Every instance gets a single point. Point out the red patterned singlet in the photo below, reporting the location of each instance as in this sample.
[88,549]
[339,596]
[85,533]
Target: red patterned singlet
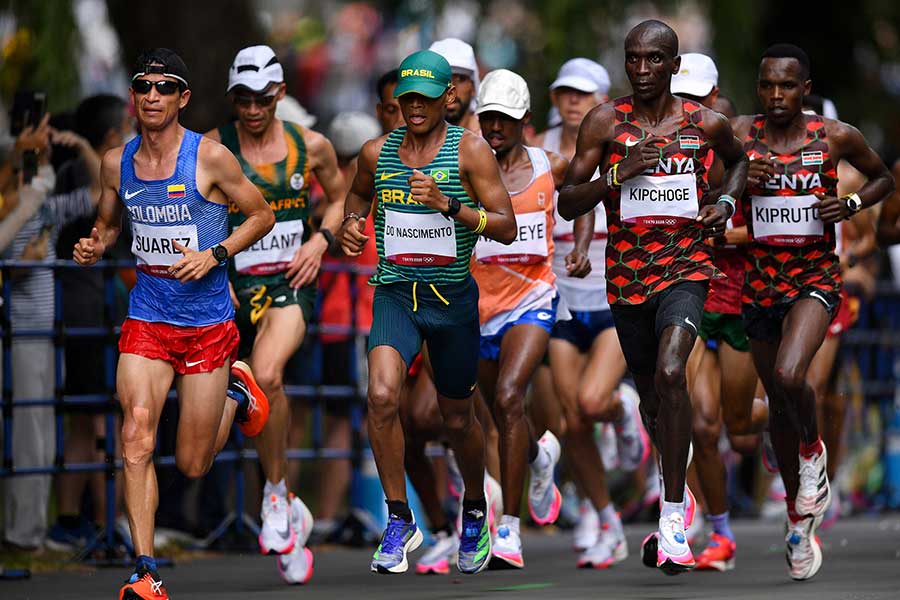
[790,248]
[654,240]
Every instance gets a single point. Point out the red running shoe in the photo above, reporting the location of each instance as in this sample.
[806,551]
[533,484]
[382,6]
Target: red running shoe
[252,417]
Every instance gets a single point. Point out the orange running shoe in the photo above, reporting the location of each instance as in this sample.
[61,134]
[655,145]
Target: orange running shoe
[143,584]
[253,416]
[718,555]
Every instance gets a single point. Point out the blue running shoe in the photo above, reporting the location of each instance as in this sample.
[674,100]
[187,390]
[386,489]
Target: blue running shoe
[399,538]
[474,543]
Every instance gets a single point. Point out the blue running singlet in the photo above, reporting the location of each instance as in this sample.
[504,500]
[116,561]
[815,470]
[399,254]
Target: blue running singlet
[164,211]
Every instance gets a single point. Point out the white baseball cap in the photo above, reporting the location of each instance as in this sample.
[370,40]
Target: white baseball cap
[350,130]
[584,75]
[505,92]
[697,77]
[460,55]
[255,68]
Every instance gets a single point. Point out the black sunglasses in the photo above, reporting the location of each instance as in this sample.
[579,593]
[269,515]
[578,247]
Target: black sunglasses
[262,101]
[164,87]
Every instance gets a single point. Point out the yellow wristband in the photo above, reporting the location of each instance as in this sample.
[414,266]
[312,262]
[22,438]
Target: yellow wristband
[615,173]
[482,221]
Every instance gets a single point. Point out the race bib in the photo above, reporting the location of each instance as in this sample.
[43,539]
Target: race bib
[529,247]
[416,239]
[273,252]
[786,220]
[154,246]
[659,201]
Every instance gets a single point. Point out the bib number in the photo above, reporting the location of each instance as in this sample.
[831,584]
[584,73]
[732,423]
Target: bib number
[665,201]
[154,246]
[273,252]
[529,247]
[786,220]
[419,240]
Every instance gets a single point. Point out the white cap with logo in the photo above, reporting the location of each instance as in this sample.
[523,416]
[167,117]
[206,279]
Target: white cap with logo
[506,92]
[697,76]
[255,68]
[584,75]
[460,55]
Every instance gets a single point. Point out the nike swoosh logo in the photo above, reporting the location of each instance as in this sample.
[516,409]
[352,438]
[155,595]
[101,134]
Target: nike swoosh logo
[630,143]
[193,364]
[389,175]
[688,321]
[819,297]
[130,195]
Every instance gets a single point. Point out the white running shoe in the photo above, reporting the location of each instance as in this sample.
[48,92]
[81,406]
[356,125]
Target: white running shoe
[507,546]
[632,441]
[455,483]
[814,493]
[277,535]
[605,438]
[544,498]
[587,530]
[673,554]
[611,548]
[297,566]
[804,555]
[438,557]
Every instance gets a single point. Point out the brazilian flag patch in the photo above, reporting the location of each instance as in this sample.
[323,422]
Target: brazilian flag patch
[440,175]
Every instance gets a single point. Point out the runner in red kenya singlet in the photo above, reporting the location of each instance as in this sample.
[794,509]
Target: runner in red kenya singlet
[793,278]
[653,150]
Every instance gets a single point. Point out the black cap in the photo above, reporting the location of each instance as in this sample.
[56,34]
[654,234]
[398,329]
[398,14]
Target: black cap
[163,61]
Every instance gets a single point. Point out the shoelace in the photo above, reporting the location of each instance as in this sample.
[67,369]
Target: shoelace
[393,535]
[809,476]
[155,586]
[676,526]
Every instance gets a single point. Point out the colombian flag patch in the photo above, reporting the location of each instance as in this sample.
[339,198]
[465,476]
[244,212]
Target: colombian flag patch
[176,191]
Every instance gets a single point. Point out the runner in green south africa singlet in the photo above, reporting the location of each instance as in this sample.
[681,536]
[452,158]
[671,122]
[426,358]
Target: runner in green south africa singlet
[414,242]
[285,186]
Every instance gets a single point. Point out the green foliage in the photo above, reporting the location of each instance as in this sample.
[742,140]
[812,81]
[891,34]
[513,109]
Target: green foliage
[48,59]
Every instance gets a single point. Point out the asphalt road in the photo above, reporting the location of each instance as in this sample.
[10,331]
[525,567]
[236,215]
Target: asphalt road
[862,562]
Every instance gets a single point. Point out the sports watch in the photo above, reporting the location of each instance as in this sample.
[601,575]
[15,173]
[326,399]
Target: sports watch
[853,203]
[453,207]
[220,253]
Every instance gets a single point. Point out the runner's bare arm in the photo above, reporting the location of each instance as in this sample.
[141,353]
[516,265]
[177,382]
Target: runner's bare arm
[577,262]
[847,143]
[714,215]
[108,224]
[304,266]
[359,199]
[861,232]
[889,218]
[579,195]
[478,166]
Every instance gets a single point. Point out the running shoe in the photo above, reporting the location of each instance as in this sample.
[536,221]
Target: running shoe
[814,493]
[474,543]
[277,534]
[769,459]
[690,502]
[649,546]
[493,493]
[507,549]
[297,566]
[544,498]
[611,548]
[436,560]
[69,539]
[143,584]
[586,533]
[252,415]
[632,441]
[397,540]
[804,554]
[718,555]
[673,554]
[605,438]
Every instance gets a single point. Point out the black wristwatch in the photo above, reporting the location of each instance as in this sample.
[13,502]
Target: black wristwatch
[453,208]
[220,253]
[329,237]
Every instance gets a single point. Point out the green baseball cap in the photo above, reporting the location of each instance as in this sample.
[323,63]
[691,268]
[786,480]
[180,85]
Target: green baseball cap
[424,72]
